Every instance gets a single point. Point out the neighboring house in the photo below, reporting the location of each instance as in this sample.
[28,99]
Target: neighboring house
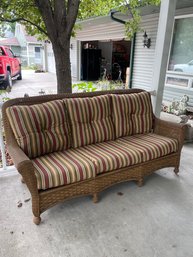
[13,43]
[109,36]
[30,50]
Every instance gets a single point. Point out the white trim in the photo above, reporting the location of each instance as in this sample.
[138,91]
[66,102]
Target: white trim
[170,71]
[79,59]
[183,16]
[165,26]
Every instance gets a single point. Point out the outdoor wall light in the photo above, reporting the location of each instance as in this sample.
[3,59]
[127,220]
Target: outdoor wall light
[71,46]
[146,41]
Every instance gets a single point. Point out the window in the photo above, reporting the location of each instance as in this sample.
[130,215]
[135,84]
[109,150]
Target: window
[181,56]
[37,52]
[1,51]
[10,53]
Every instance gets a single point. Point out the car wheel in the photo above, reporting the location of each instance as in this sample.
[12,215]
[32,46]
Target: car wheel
[19,75]
[8,81]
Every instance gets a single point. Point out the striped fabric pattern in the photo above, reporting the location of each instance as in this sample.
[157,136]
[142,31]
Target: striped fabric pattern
[62,168]
[90,120]
[151,146]
[40,129]
[132,114]
[111,155]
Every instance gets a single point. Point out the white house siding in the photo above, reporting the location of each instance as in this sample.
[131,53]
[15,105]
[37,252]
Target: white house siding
[50,59]
[74,58]
[103,31]
[144,59]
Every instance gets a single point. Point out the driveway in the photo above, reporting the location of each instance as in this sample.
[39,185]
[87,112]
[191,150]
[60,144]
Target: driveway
[32,83]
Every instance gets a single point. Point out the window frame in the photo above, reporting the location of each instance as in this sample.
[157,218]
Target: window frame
[176,74]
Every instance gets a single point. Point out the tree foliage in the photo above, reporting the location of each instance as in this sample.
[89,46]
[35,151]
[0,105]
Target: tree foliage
[6,27]
[28,13]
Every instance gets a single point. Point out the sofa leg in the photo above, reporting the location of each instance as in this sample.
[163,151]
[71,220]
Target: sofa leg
[95,198]
[140,182]
[176,170]
[37,220]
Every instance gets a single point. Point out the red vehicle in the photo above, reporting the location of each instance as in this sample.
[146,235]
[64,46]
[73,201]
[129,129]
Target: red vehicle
[10,67]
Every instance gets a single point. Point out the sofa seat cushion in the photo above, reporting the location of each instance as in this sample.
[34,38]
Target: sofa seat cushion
[111,155]
[62,168]
[132,114]
[41,128]
[90,119]
[151,146]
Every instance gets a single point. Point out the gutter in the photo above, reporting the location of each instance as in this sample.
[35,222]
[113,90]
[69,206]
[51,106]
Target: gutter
[112,12]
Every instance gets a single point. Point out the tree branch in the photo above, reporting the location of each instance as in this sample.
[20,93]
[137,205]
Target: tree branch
[60,12]
[47,14]
[23,19]
[72,12]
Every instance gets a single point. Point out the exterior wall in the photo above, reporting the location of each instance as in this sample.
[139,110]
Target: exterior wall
[32,58]
[50,59]
[144,59]
[28,57]
[24,56]
[19,33]
[27,54]
[74,59]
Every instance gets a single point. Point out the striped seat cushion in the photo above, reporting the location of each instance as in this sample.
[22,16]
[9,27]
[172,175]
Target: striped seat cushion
[62,168]
[90,119]
[132,114]
[151,146]
[40,129]
[111,155]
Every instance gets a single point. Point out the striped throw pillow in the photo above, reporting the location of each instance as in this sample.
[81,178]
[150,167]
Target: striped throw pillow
[91,120]
[132,114]
[40,129]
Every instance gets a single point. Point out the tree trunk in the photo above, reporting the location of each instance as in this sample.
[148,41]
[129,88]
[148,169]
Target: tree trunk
[63,66]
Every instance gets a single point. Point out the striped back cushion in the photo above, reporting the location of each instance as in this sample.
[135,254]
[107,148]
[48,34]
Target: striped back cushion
[40,129]
[132,114]
[91,120]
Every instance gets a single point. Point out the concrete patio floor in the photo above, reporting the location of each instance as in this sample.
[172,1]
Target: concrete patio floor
[152,221]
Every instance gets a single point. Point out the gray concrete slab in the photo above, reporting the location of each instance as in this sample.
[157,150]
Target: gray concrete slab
[152,221]
[32,83]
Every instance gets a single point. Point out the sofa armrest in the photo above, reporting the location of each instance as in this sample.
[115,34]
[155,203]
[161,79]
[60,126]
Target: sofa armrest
[170,129]
[24,166]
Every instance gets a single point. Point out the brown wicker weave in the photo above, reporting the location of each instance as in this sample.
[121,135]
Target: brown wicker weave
[44,199]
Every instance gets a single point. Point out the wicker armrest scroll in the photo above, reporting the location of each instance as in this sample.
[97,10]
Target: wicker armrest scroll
[170,129]
[24,166]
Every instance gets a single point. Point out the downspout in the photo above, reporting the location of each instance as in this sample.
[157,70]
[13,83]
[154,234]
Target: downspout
[132,60]
[132,47]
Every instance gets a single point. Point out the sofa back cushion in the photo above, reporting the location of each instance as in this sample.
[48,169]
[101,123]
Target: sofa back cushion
[132,113]
[40,129]
[91,120]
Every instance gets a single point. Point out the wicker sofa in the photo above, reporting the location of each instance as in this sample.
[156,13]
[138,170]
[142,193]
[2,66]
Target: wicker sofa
[71,145]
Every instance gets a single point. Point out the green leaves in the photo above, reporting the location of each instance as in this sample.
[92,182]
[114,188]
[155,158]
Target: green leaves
[85,87]
[27,13]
